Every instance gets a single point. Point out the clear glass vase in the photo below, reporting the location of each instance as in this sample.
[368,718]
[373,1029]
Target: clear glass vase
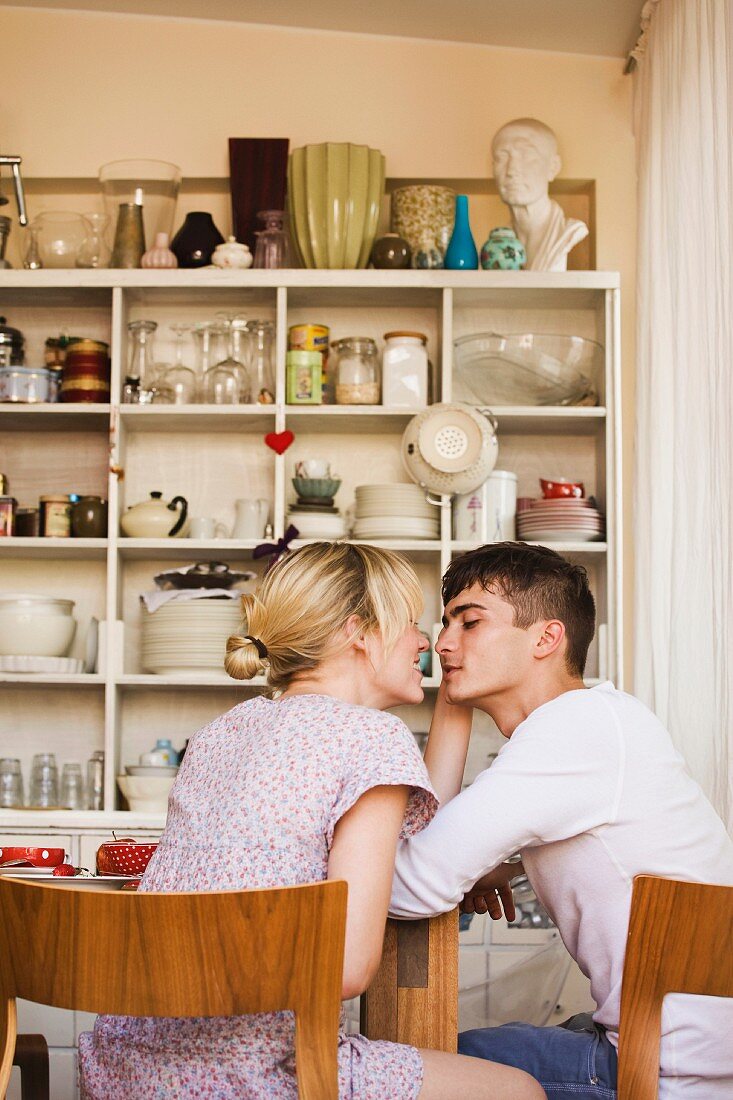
[273,244]
[262,336]
[94,251]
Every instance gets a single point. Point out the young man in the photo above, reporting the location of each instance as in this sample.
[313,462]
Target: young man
[588,788]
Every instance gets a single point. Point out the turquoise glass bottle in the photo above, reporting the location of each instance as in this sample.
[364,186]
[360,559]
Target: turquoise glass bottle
[461,254]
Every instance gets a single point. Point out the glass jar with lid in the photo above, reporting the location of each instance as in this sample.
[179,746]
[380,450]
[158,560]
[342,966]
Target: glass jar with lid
[405,370]
[357,371]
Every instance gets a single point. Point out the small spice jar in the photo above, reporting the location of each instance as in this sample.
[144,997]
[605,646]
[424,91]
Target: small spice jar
[357,371]
[55,516]
[405,370]
[86,372]
[303,377]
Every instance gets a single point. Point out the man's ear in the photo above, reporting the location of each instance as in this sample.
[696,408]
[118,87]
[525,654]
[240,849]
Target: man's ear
[550,638]
[553,167]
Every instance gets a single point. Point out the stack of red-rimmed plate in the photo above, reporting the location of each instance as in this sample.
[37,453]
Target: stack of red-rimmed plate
[564,519]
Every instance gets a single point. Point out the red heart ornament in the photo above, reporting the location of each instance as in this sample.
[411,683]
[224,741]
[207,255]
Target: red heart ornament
[279,441]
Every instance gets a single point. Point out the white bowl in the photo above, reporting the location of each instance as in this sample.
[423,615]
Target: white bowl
[146,794]
[35,626]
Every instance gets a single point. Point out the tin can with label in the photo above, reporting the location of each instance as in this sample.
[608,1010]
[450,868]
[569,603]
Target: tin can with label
[303,378]
[8,507]
[56,516]
[86,372]
[309,337]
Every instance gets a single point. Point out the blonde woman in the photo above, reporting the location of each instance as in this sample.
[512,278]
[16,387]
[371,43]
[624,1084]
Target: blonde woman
[313,781]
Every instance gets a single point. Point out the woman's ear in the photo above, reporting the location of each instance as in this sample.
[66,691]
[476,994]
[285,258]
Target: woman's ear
[353,632]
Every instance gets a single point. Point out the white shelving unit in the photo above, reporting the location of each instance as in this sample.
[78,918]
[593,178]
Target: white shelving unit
[213,455]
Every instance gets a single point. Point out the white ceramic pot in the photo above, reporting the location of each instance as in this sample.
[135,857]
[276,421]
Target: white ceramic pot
[156,519]
[146,794]
[488,514]
[35,626]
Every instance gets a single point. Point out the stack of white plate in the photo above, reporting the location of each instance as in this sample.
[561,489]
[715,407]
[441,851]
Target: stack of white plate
[188,636]
[562,520]
[317,523]
[395,512]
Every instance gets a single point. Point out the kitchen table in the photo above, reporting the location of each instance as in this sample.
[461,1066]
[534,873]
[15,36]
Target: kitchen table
[414,996]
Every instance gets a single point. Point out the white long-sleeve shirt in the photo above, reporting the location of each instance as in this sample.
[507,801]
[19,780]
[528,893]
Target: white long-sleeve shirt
[592,792]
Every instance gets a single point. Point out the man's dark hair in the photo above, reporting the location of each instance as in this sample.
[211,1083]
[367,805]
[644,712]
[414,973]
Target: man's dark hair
[538,584]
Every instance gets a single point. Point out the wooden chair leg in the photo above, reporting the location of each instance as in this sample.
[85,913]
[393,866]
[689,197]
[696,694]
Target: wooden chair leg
[31,1055]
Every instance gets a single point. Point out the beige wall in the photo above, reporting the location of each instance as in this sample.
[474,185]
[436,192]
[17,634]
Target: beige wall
[79,89]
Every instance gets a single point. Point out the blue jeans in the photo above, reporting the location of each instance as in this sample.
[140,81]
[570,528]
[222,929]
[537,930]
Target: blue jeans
[574,1060]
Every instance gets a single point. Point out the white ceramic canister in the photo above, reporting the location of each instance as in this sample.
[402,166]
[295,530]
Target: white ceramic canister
[405,370]
[488,514]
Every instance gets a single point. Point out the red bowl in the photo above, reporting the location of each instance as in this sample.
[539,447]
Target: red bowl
[551,490]
[124,857]
[37,857]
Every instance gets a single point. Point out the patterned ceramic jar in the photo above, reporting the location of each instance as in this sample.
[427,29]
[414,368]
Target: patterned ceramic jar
[423,210]
[503,250]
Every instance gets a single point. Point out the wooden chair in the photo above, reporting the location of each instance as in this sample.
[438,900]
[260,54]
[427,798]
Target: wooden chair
[208,954]
[680,941]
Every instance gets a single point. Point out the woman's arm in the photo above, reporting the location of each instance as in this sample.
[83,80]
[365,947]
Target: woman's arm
[447,747]
[363,853]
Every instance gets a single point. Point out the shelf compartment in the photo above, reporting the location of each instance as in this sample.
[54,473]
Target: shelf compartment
[198,418]
[550,419]
[70,549]
[337,419]
[184,549]
[55,418]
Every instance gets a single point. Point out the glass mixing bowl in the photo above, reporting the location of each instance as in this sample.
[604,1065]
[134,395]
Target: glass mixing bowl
[526,368]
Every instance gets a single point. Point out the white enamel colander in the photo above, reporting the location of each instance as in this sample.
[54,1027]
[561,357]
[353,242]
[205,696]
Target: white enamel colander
[450,448]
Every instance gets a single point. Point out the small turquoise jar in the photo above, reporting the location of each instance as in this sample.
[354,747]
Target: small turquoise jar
[503,250]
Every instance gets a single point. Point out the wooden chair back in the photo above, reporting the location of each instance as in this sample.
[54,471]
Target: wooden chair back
[202,954]
[680,941]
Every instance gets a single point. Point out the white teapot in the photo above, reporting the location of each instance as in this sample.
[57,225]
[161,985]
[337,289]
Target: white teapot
[232,254]
[152,519]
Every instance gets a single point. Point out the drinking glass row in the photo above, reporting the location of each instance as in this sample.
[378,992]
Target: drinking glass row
[232,363]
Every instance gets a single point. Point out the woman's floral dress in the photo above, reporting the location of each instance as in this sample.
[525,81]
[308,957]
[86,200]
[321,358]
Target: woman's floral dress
[254,805]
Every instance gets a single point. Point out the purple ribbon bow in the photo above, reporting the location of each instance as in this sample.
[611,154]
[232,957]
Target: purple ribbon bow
[275,550]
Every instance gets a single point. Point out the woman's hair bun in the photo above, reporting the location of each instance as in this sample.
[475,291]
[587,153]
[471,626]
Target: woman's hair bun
[242,661]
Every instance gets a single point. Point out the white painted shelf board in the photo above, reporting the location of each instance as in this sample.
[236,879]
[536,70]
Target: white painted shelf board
[405,546]
[190,279]
[54,417]
[150,680]
[174,548]
[560,547]
[197,418]
[34,818]
[12,546]
[49,679]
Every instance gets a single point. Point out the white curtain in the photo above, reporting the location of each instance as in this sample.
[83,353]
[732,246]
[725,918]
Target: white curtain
[684,426]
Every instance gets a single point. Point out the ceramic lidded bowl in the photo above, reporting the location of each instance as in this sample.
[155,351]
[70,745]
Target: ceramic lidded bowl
[503,251]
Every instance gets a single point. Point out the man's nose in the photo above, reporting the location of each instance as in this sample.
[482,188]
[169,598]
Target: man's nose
[445,642]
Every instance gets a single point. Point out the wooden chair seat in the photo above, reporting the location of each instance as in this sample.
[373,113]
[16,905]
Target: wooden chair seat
[211,954]
[680,941]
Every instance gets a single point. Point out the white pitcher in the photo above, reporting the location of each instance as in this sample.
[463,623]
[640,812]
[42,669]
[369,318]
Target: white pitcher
[250,518]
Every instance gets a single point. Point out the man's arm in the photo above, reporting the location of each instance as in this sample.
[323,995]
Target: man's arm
[549,784]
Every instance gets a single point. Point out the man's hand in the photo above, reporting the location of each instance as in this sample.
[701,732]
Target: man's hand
[492,892]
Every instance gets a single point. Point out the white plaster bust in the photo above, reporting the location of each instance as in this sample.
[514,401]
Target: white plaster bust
[526,158]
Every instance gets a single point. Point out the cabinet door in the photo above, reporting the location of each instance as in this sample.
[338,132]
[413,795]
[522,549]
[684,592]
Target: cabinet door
[55,1024]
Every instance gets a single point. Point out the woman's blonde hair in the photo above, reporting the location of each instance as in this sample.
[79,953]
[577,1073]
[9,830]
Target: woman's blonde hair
[309,596]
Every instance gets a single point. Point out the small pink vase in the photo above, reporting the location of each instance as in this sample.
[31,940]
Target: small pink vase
[160,254]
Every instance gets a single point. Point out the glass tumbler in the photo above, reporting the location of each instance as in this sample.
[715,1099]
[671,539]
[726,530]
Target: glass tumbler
[44,789]
[11,782]
[72,787]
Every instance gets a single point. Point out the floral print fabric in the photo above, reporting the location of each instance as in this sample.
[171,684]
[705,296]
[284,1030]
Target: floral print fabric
[255,804]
